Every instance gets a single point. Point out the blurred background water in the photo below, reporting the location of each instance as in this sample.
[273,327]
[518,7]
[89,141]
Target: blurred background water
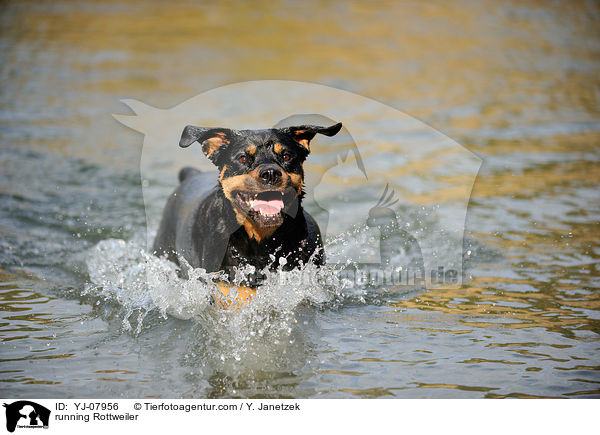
[517,83]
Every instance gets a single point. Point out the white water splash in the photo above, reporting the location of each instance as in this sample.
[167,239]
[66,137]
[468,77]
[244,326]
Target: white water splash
[269,334]
[123,271]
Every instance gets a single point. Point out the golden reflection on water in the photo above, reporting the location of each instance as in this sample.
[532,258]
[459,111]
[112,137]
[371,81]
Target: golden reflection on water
[467,52]
[490,306]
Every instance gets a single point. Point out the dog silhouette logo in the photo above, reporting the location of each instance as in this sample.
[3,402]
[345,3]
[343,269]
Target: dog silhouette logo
[378,145]
[26,414]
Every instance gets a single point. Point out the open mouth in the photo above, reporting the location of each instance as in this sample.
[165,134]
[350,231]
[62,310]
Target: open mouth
[264,208]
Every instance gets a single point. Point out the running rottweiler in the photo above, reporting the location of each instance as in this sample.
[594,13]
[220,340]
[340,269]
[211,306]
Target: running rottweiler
[252,214]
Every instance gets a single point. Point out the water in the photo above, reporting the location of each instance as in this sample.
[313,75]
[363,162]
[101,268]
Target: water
[517,85]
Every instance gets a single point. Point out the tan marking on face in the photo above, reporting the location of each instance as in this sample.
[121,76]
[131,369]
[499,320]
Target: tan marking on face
[251,150]
[278,148]
[222,174]
[237,182]
[209,146]
[244,183]
[302,142]
[297,182]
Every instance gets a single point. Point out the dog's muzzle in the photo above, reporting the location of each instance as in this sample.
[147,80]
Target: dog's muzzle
[264,208]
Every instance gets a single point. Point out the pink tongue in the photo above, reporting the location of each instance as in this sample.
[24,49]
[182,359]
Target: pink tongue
[271,207]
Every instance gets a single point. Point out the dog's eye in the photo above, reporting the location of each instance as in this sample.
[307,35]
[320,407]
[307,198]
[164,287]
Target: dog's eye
[287,157]
[244,159]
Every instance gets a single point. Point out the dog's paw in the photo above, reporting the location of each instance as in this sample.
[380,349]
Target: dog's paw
[224,300]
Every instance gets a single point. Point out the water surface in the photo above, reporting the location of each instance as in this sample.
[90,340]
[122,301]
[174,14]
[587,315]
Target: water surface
[516,84]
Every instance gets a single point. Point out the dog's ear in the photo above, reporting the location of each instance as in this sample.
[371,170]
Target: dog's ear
[303,134]
[211,139]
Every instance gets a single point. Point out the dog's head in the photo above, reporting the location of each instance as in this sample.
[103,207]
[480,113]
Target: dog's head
[261,171]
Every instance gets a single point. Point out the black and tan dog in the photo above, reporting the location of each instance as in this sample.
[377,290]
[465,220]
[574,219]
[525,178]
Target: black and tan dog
[253,215]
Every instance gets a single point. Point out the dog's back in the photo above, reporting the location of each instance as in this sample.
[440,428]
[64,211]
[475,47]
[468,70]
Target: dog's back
[180,214]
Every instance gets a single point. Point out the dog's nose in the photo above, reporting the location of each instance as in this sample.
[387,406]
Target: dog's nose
[270,175]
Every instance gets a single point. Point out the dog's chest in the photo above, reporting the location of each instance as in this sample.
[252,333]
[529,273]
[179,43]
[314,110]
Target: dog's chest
[242,251]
